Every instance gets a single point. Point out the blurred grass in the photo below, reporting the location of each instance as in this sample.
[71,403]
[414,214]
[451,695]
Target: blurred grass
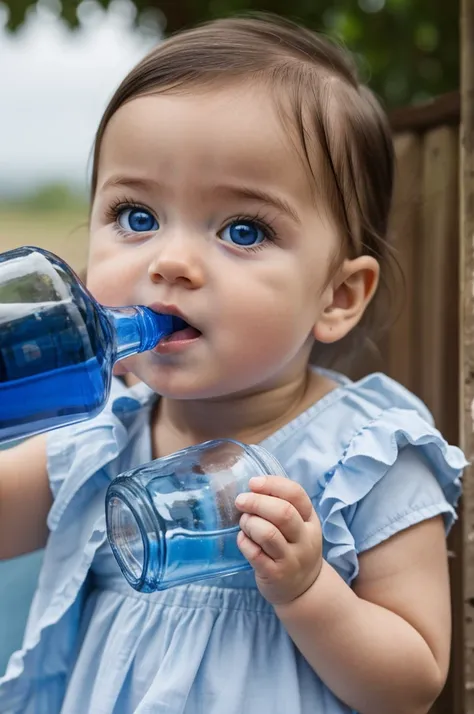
[62,232]
[53,218]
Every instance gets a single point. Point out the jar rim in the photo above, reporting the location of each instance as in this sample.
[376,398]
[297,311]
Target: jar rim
[135,499]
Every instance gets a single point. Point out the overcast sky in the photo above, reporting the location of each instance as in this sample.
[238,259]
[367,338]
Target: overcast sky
[53,88]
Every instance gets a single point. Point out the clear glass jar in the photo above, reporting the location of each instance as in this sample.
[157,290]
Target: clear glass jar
[174,520]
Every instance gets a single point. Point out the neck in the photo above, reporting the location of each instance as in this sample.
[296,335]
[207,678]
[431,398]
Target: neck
[249,417]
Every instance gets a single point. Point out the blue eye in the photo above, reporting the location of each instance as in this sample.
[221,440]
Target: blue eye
[137,220]
[243,233]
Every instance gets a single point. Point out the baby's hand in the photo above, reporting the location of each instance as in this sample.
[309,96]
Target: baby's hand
[280,537]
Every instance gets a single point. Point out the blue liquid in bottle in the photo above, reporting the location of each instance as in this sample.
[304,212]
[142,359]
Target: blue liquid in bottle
[58,346]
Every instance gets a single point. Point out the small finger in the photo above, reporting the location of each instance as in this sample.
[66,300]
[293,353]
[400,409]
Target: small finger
[278,512]
[265,535]
[285,488]
[257,558]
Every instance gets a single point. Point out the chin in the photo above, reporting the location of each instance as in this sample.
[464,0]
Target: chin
[177,387]
[185,383]
[187,387]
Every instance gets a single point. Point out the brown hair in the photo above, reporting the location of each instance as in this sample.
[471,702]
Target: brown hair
[343,135]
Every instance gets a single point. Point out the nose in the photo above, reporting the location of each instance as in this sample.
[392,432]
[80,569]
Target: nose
[178,261]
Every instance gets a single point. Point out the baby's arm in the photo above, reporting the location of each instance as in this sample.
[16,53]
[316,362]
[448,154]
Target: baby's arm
[25,498]
[383,646]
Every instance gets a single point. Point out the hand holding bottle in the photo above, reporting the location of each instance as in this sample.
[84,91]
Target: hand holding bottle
[281,537]
[175,520]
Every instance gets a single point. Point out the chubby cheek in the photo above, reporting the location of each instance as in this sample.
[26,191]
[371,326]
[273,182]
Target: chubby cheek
[110,276]
[109,290]
[267,324]
[263,345]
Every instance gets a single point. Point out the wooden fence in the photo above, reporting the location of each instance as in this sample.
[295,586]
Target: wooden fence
[422,348]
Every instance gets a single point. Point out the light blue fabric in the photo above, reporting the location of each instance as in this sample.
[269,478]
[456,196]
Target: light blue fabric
[371,461]
[18,580]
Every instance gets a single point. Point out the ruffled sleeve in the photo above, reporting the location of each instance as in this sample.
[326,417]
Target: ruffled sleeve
[396,471]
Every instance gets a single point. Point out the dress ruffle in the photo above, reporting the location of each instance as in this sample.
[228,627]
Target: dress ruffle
[368,457]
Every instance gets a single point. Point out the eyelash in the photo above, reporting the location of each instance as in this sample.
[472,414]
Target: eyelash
[261,221]
[121,204]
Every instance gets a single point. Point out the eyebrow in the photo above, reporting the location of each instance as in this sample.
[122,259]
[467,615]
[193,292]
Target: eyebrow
[244,192]
[256,194]
[130,182]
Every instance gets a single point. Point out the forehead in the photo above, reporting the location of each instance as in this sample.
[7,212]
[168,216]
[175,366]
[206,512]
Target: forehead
[202,135]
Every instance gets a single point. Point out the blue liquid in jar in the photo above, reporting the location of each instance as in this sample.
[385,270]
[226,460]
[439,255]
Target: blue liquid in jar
[174,520]
[215,552]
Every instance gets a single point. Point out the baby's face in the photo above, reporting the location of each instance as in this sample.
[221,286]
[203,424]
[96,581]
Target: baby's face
[203,204]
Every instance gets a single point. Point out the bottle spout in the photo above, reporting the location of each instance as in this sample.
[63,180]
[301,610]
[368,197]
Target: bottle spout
[138,328]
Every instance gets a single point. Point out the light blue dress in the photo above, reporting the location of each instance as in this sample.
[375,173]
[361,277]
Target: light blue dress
[371,461]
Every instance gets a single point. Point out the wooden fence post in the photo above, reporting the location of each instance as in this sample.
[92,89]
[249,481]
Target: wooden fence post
[467,335]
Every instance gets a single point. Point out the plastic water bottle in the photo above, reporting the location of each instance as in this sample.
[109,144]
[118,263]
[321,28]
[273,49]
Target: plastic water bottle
[174,520]
[58,346]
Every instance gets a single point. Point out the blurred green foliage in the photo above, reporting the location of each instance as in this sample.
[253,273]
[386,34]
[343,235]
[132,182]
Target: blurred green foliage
[47,198]
[408,49]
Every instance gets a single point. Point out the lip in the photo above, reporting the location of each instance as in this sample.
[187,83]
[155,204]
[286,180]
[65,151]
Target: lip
[168,310]
[177,344]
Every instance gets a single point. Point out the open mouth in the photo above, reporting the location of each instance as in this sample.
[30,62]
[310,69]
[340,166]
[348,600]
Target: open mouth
[184,333]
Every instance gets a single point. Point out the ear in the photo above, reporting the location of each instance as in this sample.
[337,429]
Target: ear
[348,295]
